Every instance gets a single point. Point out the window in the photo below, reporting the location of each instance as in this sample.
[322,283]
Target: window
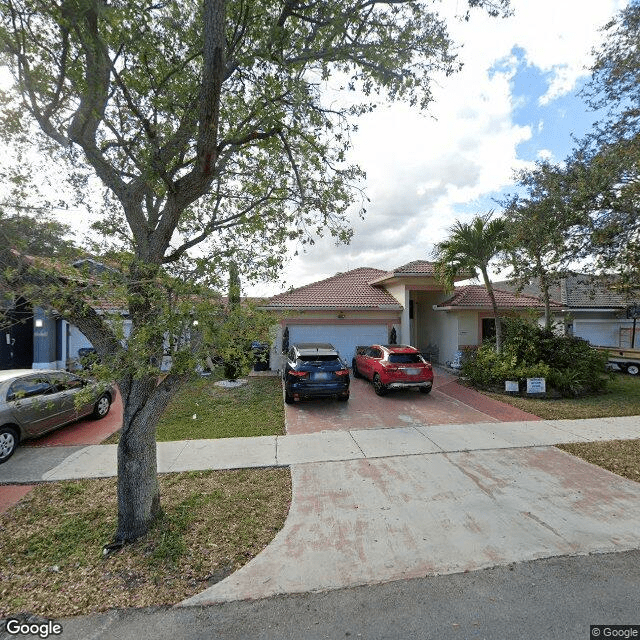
[488,328]
[28,388]
[406,358]
[63,382]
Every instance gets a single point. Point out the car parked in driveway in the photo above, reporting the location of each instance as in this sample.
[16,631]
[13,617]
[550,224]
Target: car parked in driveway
[33,402]
[393,366]
[314,370]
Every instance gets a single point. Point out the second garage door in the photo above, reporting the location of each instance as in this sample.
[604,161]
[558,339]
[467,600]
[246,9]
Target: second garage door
[344,338]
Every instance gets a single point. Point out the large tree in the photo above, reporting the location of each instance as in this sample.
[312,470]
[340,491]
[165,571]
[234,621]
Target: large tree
[603,173]
[469,249]
[541,227]
[209,126]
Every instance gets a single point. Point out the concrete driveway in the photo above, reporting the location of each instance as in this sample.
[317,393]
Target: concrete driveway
[377,520]
[448,403]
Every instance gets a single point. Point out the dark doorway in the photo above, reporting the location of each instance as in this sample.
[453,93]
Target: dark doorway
[16,337]
[488,329]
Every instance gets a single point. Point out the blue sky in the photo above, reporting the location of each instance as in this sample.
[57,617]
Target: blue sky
[514,102]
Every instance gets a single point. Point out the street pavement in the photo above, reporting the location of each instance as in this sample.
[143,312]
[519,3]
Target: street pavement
[550,599]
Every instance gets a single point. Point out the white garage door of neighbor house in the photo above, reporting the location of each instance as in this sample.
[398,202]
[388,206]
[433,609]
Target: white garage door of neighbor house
[345,338]
[600,334]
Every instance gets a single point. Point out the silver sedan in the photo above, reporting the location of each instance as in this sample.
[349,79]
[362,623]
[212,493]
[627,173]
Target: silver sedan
[33,402]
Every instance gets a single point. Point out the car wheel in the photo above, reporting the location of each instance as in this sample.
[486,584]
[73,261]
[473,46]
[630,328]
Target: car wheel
[633,369]
[379,388]
[288,398]
[8,442]
[102,406]
[425,390]
[344,398]
[354,367]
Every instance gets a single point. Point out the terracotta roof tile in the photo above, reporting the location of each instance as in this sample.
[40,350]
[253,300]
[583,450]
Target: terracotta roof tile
[476,296]
[349,290]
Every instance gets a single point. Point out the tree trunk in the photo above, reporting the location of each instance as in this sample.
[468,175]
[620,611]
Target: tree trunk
[138,492]
[544,288]
[487,284]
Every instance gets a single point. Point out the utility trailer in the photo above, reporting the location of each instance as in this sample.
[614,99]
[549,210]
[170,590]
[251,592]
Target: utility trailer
[627,359]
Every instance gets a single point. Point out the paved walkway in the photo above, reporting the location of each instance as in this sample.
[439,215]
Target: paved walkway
[29,465]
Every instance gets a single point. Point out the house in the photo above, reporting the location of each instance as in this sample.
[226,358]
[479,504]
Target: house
[405,305]
[590,308]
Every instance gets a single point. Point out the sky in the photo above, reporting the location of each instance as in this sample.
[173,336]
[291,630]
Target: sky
[514,102]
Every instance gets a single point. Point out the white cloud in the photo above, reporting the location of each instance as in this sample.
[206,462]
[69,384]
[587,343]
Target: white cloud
[423,171]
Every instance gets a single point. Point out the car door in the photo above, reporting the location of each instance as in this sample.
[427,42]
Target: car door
[65,388]
[367,369]
[31,404]
[375,355]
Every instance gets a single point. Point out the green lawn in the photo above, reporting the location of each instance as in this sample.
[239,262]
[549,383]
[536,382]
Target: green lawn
[622,398]
[202,410]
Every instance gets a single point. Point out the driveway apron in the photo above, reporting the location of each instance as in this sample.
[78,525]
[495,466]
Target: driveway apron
[375,520]
[448,403]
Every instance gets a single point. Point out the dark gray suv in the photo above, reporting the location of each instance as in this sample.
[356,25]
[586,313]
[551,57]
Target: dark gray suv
[314,370]
[33,402]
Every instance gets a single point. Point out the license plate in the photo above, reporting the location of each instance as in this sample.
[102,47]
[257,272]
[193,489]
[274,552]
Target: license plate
[412,372]
[321,376]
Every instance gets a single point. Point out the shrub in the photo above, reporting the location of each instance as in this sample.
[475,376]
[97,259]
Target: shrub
[570,365]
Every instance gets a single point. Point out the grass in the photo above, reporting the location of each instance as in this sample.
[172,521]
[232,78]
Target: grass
[618,456]
[202,410]
[213,522]
[622,398]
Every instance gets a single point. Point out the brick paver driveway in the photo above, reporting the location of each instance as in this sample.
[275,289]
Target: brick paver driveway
[448,403]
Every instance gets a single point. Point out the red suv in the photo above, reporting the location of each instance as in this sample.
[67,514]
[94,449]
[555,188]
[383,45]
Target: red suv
[393,366]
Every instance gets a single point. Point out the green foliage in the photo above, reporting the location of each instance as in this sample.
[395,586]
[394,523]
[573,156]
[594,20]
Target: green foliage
[469,249]
[570,365]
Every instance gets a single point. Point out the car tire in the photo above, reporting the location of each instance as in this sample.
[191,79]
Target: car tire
[8,442]
[378,387]
[633,369]
[425,390]
[344,398]
[102,406]
[288,398]
[354,367]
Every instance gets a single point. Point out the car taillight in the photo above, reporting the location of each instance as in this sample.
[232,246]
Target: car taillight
[299,374]
[342,372]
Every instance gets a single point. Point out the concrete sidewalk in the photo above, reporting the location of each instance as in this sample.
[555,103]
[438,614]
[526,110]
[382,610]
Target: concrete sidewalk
[30,465]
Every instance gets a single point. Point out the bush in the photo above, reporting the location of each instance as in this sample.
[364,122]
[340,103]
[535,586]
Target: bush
[570,365]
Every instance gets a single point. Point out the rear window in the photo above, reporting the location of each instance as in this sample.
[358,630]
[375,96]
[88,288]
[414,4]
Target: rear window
[315,358]
[408,358]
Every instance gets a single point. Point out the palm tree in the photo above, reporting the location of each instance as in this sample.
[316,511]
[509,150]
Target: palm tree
[469,249]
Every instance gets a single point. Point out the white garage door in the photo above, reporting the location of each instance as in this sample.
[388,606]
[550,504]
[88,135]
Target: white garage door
[603,334]
[344,338]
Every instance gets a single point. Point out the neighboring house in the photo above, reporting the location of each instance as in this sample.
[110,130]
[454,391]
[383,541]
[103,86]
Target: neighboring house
[406,305]
[591,308]
[40,339]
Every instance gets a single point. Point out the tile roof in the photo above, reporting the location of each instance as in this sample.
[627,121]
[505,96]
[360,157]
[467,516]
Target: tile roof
[421,267]
[349,290]
[415,268]
[586,291]
[578,291]
[476,296]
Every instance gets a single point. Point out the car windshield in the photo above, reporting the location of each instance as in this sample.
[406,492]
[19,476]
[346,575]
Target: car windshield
[405,358]
[318,358]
